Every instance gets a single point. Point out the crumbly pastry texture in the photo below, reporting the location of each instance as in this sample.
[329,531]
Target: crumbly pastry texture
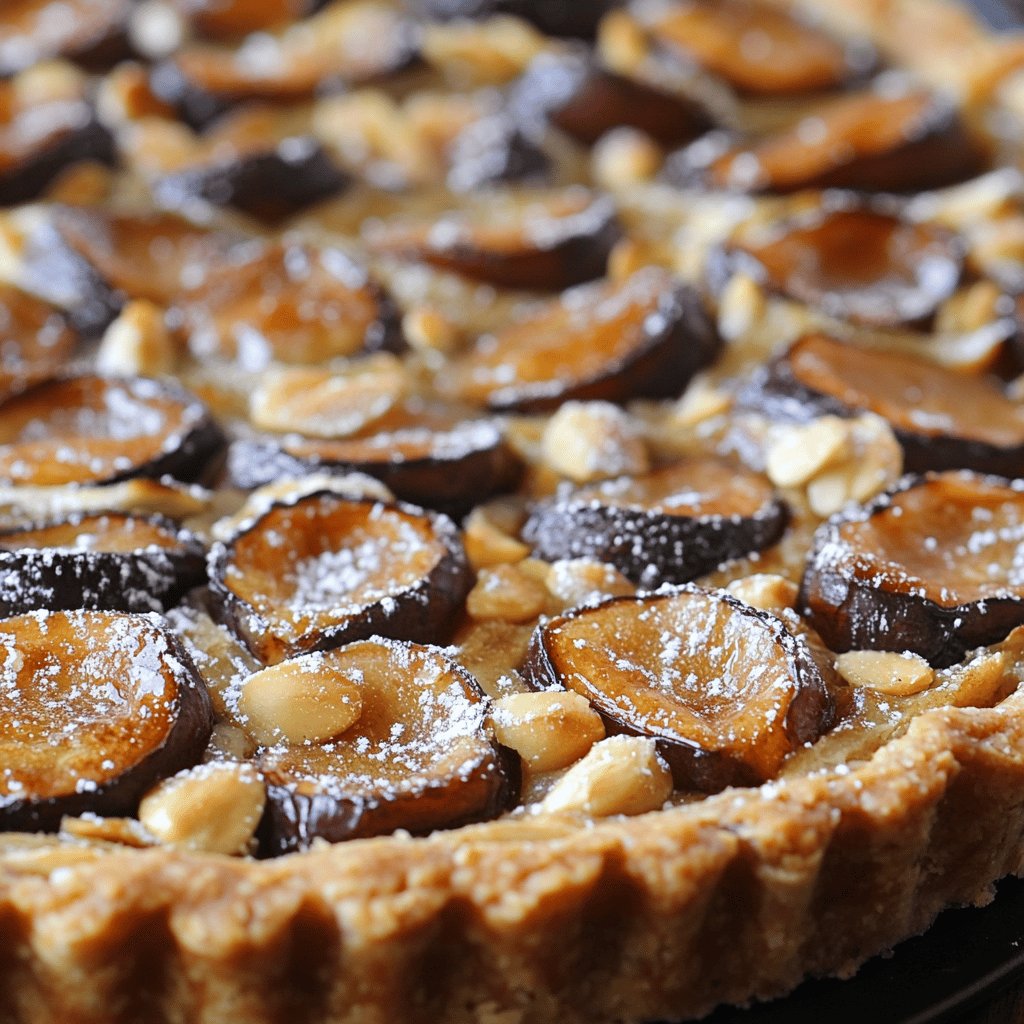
[907,801]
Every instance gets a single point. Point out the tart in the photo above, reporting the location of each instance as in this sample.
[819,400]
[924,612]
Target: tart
[509,511]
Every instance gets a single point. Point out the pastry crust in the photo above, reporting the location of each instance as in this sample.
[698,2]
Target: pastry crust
[533,919]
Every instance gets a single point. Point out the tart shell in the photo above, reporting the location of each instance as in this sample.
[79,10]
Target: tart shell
[672,913]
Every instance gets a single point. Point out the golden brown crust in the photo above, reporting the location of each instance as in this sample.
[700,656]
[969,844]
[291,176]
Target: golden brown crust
[739,896]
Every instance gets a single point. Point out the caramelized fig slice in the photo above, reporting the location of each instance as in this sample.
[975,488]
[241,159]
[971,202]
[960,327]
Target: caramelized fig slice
[447,465]
[89,31]
[933,567]
[233,19]
[95,708]
[586,100]
[324,570]
[253,160]
[346,44]
[546,241]
[669,526]
[614,340]
[943,419]
[872,141]
[91,429]
[554,17]
[35,341]
[39,138]
[724,688]
[758,48]
[856,263]
[420,757]
[289,303]
[109,560]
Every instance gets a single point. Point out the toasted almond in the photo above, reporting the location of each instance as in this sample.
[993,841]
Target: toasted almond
[620,775]
[898,675]
[214,808]
[137,342]
[303,700]
[796,454]
[487,544]
[588,441]
[506,593]
[125,831]
[549,730]
[625,157]
[578,580]
[766,591]
[426,328]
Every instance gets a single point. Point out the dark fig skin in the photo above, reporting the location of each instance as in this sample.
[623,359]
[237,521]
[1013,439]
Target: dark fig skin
[694,767]
[270,186]
[293,820]
[650,548]
[190,461]
[585,101]
[854,614]
[182,747]
[554,17]
[422,613]
[146,579]
[496,150]
[25,181]
[571,259]
[678,342]
[775,392]
[449,485]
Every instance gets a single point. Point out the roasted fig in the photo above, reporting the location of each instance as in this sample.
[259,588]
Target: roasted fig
[615,340]
[234,19]
[554,17]
[726,691]
[496,150]
[91,32]
[873,141]
[346,44]
[669,526]
[855,263]
[542,241]
[39,138]
[90,429]
[757,48]
[585,100]
[290,303]
[942,418]
[933,567]
[444,464]
[35,341]
[117,695]
[419,757]
[324,570]
[111,561]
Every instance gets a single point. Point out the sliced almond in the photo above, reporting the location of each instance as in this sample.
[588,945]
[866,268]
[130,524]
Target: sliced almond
[549,730]
[899,675]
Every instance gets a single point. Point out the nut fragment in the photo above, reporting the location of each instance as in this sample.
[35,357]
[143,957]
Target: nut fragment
[625,157]
[304,700]
[765,591]
[588,441]
[214,808]
[969,309]
[576,581]
[137,342]
[796,454]
[507,593]
[620,775]
[898,675]
[549,730]
[427,329]
[487,544]
[486,52]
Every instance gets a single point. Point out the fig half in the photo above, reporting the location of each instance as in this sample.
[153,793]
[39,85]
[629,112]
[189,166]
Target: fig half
[942,418]
[420,757]
[645,336]
[324,570]
[933,567]
[855,263]
[669,526]
[110,561]
[725,690]
[873,140]
[96,707]
[545,241]
[287,302]
[91,429]
[756,47]
[35,341]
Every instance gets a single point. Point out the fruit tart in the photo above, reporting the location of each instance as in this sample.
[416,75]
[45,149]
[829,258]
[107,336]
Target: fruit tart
[510,511]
